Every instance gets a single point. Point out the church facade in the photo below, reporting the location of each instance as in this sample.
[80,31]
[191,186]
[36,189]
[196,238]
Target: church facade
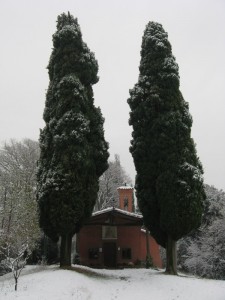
[115,237]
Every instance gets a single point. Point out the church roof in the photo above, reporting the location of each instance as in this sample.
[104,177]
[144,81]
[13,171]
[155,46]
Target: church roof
[125,187]
[115,217]
[122,211]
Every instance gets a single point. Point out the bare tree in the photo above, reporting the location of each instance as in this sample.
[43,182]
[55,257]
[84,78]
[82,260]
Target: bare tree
[19,228]
[113,177]
[15,257]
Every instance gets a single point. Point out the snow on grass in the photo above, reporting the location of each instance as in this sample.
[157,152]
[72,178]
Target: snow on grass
[50,283]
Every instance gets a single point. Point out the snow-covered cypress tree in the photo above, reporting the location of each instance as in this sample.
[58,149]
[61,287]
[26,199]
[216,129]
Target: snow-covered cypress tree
[169,180]
[74,152]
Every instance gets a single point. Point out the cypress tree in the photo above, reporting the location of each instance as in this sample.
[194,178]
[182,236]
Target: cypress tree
[169,181]
[74,152]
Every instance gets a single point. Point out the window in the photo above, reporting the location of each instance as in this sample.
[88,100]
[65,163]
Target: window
[126,253]
[125,203]
[93,253]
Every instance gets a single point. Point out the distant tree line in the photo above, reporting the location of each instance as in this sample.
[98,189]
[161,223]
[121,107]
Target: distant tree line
[18,206]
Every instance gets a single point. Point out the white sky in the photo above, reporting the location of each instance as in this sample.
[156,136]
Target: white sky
[113,30]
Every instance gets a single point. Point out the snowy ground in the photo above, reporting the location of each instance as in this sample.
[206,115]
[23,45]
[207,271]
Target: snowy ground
[48,283]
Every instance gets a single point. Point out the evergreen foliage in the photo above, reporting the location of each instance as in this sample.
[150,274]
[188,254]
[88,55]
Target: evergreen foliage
[169,180]
[74,152]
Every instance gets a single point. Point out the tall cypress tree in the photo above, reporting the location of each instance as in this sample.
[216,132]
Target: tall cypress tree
[74,152]
[169,180]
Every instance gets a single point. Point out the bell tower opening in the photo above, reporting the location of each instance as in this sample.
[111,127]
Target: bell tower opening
[126,197]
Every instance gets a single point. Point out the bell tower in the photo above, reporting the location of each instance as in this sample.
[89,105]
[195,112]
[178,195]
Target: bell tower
[126,197]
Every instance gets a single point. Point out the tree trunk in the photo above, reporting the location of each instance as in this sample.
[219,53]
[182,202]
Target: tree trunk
[16,282]
[65,250]
[4,208]
[171,256]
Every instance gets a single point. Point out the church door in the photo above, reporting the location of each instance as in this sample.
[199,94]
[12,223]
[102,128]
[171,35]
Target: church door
[109,254]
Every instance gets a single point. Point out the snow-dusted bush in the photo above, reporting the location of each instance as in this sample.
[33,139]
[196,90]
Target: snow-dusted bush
[203,252]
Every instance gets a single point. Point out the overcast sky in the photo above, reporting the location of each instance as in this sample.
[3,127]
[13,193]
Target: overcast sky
[113,31]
